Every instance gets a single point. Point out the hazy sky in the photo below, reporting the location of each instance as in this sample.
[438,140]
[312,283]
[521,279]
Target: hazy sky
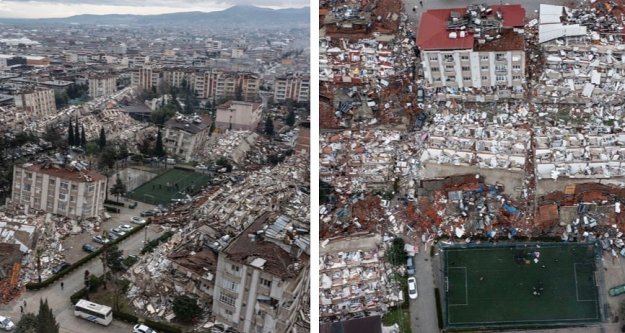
[64,8]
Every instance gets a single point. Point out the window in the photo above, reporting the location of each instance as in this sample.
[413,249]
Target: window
[437,79]
[464,57]
[64,185]
[227,299]
[484,57]
[62,205]
[230,285]
[91,188]
[62,196]
[266,283]
[448,57]
[27,187]
[516,66]
[484,78]
[228,312]
[501,68]
[449,67]
[466,78]
[500,56]
[235,268]
[501,78]
[74,187]
[52,182]
[466,68]
[484,68]
[516,77]
[29,175]
[433,58]
[435,69]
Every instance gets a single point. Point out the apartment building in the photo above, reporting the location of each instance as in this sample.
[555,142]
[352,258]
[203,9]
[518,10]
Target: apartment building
[65,190]
[237,115]
[38,102]
[102,85]
[292,86]
[262,278]
[146,77]
[474,47]
[175,76]
[224,85]
[184,134]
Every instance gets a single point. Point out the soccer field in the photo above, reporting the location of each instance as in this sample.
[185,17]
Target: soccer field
[173,184]
[505,286]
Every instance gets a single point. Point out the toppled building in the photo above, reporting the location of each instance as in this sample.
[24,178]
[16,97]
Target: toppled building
[37,102]
[184,135]
[66,189]
[238,116]
[479,49]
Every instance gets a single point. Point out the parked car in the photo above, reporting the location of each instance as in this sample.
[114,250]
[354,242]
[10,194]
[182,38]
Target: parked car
[140,328]
[89,248]
[412,287]
[6,324]
[132,205]
[201,167]
[119,231]
[101,240]
[60,267]
[420,95]
[113,236]
[147,213]
[137,220]
[410,265]
[617,290]
[126,227]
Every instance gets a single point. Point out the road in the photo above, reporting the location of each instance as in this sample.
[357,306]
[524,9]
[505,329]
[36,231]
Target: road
[423,309]
[59,299]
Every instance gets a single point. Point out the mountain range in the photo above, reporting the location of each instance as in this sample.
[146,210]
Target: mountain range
[239,16]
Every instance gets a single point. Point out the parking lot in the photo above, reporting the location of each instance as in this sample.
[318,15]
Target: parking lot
[72,245]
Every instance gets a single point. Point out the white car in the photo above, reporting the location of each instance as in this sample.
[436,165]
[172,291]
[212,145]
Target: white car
[6,324]
[137,220]
[140,328]
[412,287]
[201,167]
[126,227]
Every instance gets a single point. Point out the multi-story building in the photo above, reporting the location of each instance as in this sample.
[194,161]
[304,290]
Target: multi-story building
[38,102]
[175,76]
[220,85]
[102,85]
[185,134]
[71,191]
[262,278]
[146,77]
[237,115]
[475,47]
[293,86]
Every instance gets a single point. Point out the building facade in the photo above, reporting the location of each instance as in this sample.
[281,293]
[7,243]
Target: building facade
[102,86]
[260,283]
[223,85]
[38,102]
[474,47]
[145,77]
[238,116]
[59,190]
[185,134]
[295,87]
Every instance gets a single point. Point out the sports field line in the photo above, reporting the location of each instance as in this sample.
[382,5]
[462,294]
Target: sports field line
[466,286]
[523,321]
[577,286]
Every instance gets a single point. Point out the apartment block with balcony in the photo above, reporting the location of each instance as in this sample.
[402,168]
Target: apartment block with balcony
[63,190]
[292,86]
[102,85]
[224,85]
[146,77]
[262,278]
[38,102]
[479,47]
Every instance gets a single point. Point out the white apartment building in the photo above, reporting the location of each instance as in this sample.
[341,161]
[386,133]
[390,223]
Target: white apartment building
[146,77]
[175,76]
[474,47]
[293,86]
[59,190]
[237,115]
[218,84]
[185,134]
[261,281]
[38,102]
[102,85]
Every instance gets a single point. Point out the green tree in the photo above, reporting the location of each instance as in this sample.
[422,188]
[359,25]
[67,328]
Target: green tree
[102,140]
[108,157]
[70,134]
[46,323]
[92,148]
[114,258]
[144,147]
[395,254]
[186,308]
[27,324]
[269,126]
[119,188]
[222,162]
[325,192]
[61,100]
[83,138]
[290,118]
[159,150]
[76,134]
[238,92]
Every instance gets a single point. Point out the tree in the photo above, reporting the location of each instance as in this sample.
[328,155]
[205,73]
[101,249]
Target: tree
[118,188]
[269,126]
[326,191]
[290,118]
[70,134]
[114,258]
[76,134]
[102,141]
[46,323]
[159,150]
[222,162]
[238,92]
[395,254]
[83,138]
[186,308]
[27,324]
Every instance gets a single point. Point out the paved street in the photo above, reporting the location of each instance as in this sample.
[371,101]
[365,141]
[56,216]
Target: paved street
[423,309]
[59,299]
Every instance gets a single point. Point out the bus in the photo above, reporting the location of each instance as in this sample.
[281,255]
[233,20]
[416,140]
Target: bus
[96,313]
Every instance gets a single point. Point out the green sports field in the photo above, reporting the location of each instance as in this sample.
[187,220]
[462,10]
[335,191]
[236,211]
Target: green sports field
[504,286]
[169,185]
